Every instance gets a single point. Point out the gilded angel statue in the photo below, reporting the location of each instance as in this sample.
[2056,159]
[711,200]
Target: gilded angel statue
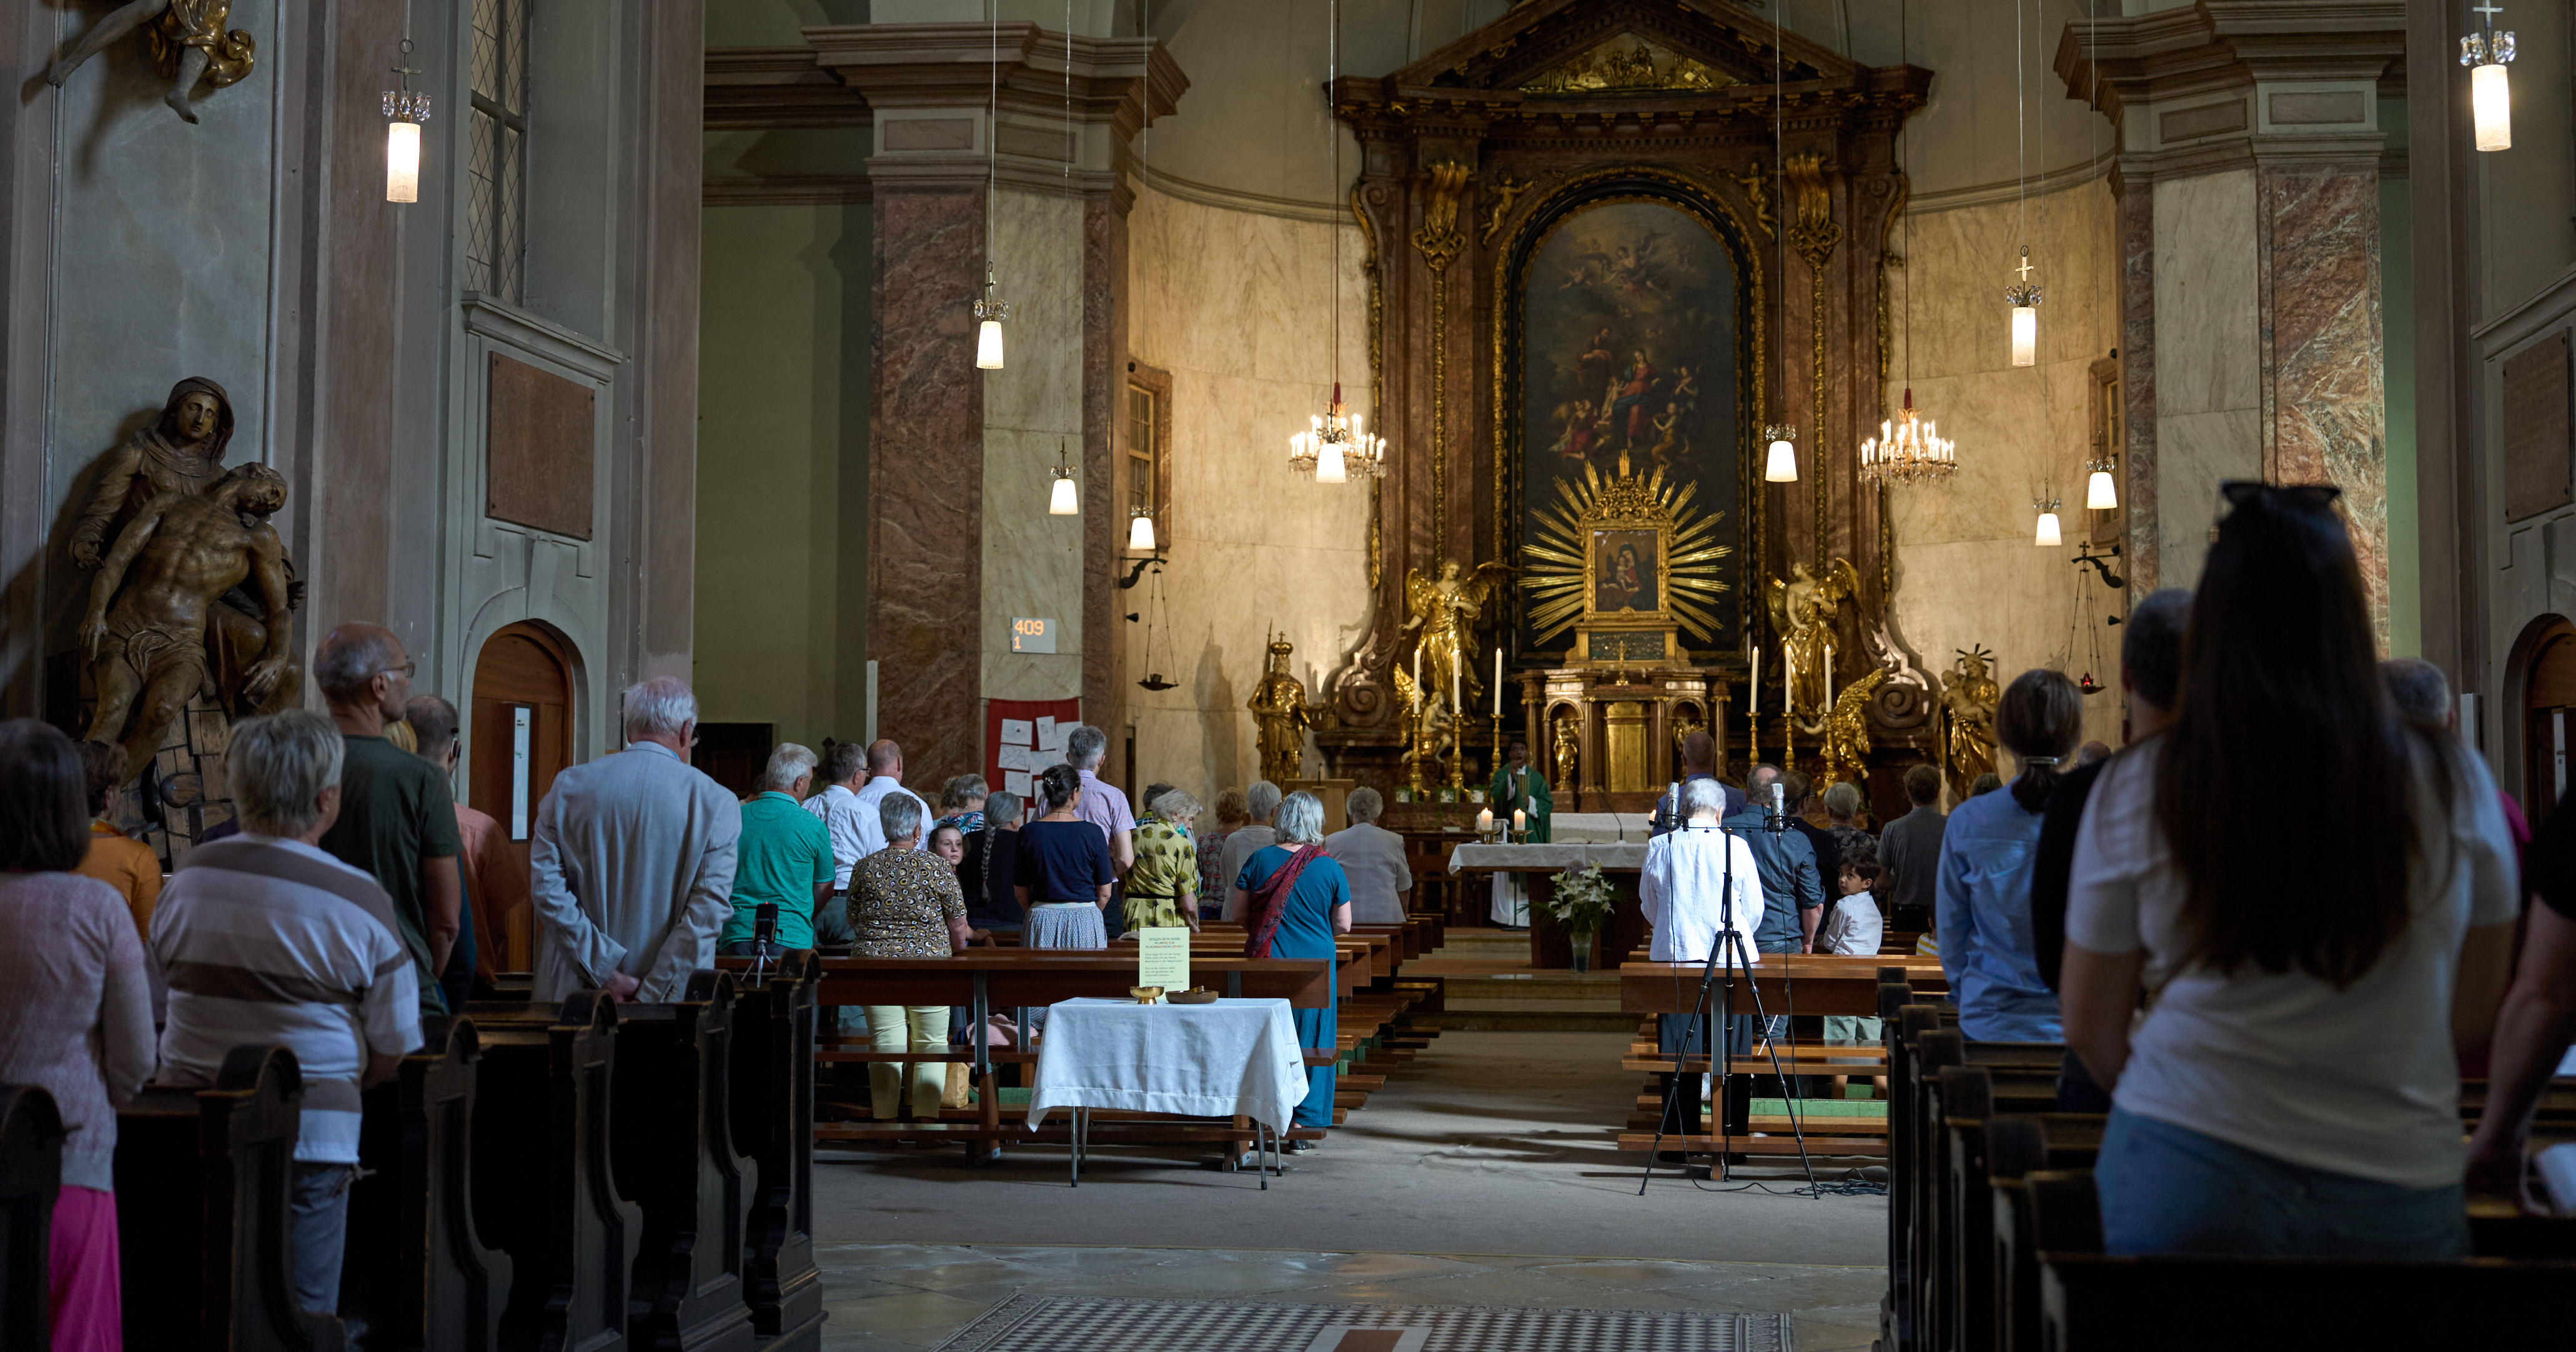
[1802,612]
[1445,610]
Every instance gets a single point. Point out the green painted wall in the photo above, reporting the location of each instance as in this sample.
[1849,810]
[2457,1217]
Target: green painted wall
[782,468]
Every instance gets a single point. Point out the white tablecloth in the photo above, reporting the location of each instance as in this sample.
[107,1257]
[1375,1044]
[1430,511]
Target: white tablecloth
[1549,858]
[1599,828]
[1234,1056]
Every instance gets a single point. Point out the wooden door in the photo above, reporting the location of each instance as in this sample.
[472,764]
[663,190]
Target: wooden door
[522,730]
[2549,703]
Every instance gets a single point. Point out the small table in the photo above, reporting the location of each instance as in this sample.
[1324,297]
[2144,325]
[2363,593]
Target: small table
[1233,1058]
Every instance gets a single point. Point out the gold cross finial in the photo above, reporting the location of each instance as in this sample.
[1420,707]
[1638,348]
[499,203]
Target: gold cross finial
[2024,269]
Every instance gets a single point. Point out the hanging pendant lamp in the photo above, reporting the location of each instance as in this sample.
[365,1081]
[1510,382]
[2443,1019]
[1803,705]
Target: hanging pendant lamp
[990,312]
[2486,53]
[2047,536]
[1064,498]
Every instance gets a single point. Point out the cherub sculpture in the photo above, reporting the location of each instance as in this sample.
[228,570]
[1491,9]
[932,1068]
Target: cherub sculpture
[1445,610]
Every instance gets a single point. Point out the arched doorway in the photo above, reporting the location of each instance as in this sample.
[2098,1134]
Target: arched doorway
[2549,704]
[522,736]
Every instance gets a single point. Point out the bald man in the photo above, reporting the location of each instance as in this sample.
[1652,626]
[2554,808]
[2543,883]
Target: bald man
[397,819]
[885,776]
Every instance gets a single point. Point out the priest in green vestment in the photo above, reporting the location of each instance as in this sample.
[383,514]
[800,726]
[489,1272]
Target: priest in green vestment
[1518,784]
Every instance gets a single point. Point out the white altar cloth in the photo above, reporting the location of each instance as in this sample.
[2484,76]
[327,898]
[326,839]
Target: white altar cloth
[1232,1057]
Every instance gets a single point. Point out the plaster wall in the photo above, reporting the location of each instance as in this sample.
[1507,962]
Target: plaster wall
[1967,572]
[162,264]
[782,484]
[1032,562]
[1236,306]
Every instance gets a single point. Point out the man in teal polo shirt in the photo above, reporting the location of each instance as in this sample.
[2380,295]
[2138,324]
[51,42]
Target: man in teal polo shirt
[785,858]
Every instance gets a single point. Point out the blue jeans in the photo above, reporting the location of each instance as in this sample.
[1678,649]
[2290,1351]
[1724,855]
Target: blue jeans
[318,1221]
[2169,1190]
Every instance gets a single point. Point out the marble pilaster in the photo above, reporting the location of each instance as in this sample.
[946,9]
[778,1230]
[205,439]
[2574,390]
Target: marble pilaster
[926,472]
[2248,179]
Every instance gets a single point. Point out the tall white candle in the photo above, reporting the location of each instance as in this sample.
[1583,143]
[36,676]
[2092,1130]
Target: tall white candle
[1498,682]
[1457,689]
[1788,681]
[1417,676]
[1828,674]
[1484,821]
[1520,820]
[1753,684]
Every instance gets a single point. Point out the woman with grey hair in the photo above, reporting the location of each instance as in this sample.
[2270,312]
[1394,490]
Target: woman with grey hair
[1374,857]
[961,804]
[905,903]
[1062,873]
[1261,804]
[1162,890]
[1294,898]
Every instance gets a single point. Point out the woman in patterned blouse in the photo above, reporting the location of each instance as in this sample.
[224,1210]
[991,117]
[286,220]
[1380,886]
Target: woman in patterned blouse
[1162,890]
[904,903]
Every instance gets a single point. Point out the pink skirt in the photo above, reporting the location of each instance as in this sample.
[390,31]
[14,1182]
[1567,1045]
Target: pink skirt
[86,1312]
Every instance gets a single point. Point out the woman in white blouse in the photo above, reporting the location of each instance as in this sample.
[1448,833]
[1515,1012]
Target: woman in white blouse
[2292,1087]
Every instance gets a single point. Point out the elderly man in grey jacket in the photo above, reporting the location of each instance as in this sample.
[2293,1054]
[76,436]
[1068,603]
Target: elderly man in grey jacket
[632,865]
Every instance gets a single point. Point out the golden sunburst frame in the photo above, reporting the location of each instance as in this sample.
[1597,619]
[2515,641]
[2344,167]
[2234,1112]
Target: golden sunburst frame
[1587,569]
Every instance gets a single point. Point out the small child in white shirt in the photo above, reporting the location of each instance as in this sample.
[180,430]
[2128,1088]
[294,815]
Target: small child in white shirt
[1854,928]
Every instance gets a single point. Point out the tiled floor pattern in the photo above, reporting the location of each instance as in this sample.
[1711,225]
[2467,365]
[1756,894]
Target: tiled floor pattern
[909,1298]
[1061,1324]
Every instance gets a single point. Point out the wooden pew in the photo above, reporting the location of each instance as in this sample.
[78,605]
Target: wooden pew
[1799,983]
[671,1136]
[31,1172]
[203,1177]
[416,1263]
[543,1185]
[2090,1302]
[773,1107]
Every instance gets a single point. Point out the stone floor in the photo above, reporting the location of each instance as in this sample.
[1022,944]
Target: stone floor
[908,1297]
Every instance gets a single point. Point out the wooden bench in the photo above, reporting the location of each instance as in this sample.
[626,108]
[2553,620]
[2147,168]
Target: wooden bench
[671,1137]
[203,1178]
[1789,983]
[773,1122]
[544,1186]
[2091,1302]
[31,1172]
[415,1260]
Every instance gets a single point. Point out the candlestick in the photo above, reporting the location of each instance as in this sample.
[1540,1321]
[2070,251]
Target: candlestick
[1457,688]
[1753,685]
[1828,674]
[1498,687]
[1788,681]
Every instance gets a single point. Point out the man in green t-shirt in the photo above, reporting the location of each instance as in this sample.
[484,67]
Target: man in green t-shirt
[784,858]
[397,820]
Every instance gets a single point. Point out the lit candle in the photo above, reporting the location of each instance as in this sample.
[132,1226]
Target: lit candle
[1828,674]
[1484,821]
[1520,820]
[1753,684]
[1498,682]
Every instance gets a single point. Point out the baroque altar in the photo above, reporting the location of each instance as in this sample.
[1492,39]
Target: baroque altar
[1596,274]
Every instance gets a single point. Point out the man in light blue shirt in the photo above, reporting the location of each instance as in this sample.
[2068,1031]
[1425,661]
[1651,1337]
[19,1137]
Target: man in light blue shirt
[1982,913]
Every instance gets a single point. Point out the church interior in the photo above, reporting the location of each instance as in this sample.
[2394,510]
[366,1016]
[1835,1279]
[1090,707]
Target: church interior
[1656,673]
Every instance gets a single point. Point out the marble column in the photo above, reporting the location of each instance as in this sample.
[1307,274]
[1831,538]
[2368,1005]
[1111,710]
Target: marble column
[1008,150]
[2247,178]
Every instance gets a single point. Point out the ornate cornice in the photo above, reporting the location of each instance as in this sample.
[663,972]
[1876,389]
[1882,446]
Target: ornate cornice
[763,87]
[1126,82]
[2122,63]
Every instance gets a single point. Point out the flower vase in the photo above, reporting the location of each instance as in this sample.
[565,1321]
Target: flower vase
[1583,950]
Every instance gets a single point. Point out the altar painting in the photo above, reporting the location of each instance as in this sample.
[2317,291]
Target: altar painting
[1627,350]
[1624,570]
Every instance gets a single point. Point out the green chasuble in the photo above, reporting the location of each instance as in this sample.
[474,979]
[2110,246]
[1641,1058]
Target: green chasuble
[1525,789]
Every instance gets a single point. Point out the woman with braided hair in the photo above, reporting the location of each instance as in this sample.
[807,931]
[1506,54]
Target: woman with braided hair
[986,873]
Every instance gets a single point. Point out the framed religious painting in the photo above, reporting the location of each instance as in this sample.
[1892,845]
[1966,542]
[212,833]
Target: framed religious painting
[1624,341]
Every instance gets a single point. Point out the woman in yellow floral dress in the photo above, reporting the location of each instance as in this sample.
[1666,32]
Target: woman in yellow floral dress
[1162,889]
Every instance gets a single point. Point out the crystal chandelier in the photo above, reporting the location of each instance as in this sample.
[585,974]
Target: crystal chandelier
[1337,448]
[1908,449]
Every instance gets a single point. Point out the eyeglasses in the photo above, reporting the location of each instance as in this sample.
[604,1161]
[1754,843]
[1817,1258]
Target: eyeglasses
[406,670]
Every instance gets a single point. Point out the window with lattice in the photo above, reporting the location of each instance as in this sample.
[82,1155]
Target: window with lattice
[496,203]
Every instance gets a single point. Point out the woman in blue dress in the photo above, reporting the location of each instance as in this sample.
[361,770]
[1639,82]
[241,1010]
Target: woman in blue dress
[1293,899]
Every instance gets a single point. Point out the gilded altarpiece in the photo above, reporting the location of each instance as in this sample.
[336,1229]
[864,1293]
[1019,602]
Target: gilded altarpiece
[1587,243]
